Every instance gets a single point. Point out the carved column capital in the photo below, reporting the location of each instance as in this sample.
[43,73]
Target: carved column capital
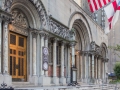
[72,44]
[42,34]
[34,33]
[46,36]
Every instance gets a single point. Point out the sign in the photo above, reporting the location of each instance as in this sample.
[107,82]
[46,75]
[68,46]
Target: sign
[45,58]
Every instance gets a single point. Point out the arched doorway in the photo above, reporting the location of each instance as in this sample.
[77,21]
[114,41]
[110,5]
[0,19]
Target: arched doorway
[18,46]
[81,49]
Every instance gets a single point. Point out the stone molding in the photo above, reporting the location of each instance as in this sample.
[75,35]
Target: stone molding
[41,11]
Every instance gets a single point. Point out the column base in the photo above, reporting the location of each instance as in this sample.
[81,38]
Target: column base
[68,80]
[6,79]
[62,81]
[55,80]
[44,81]
[34,80]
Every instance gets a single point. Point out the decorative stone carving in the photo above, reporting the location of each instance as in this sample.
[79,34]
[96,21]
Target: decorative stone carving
[41,11]
[92,45]
[6,4]
[19,19]
[59,29]
[72,34]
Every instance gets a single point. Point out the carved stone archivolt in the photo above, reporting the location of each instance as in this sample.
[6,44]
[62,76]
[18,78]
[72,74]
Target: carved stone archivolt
[41,11]
[19,19]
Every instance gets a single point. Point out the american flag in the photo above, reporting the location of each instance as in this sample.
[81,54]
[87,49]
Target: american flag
[97,4]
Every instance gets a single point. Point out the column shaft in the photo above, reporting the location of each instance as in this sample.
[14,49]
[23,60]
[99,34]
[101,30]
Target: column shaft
[93,66]
[73,56]
[34,55]
[5,48]
[41,55]
[62,60]
[68,65]
[54,59]
[0,42]
[96,68]
[46,45]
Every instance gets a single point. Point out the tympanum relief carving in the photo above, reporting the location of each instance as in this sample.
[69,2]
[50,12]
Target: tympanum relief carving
[19,23]
[19,19]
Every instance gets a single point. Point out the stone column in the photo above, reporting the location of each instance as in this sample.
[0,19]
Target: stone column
[7,77]
[86,67]
[96,68]
[93,76]
[62,81]
[34,54]
[0,42]
[34,59]
[82,66]
[55,81]
[103,62]
[73,53]
[99,69]
[68,65]
[46,45]
[41,55]
[5,48]
[89,69]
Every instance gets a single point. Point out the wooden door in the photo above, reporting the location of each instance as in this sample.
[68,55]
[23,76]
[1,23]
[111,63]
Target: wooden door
[17,62]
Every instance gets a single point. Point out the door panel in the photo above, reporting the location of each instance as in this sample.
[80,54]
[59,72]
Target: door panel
[17,57]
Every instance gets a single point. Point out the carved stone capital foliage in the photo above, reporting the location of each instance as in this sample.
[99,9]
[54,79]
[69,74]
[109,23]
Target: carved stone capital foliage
[72,44]
[42,34]
[41,11]
[34,33]
[46,36]
[5,16]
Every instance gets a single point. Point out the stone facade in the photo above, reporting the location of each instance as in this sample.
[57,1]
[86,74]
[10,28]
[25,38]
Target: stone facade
[73,39]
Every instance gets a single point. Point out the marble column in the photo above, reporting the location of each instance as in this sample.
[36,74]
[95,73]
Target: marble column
[86,67]
[93,76]
[54,62]
[96,68]
[46,45]
[62,63]
[68,65]
[78,66]
[5,48]
[99,68]
[34,53]
[73,54]
[41,55]
[34,59]
[82,66]
[89,69]
[0,42]
[103,62]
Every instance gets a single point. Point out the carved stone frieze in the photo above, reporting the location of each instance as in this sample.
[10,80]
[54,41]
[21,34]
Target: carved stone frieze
[59,29]
[19,19]
[41,11]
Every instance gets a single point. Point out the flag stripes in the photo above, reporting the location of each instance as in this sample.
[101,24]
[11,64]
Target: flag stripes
[97,4]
